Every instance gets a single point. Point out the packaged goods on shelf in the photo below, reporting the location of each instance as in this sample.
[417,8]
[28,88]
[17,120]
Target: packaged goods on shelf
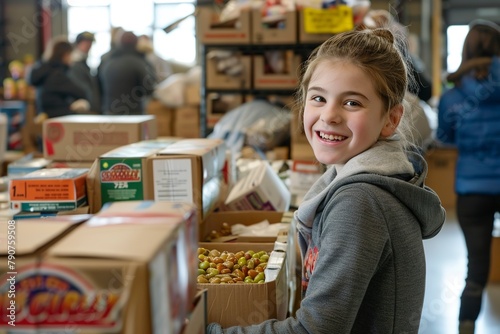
[269,29]
[49,189]
[86,137]
[212,30]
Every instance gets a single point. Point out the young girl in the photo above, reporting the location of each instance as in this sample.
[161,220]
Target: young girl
[362,223]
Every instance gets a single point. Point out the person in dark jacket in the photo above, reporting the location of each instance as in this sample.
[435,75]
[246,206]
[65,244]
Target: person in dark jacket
[81,72]
[127,79]
[469,118]
[56,91]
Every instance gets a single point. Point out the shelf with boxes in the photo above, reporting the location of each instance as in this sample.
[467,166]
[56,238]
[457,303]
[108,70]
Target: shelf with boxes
[249,40]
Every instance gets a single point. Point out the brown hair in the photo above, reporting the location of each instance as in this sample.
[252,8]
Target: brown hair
[480,45]
[59,50]
[375,52]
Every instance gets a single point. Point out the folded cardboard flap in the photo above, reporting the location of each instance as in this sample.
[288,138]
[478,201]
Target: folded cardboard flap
[35,235]
[114,241]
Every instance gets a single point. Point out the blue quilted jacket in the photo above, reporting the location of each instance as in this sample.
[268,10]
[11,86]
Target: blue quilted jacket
[469,118]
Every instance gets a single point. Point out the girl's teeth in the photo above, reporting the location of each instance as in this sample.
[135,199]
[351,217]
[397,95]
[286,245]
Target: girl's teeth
[330,137]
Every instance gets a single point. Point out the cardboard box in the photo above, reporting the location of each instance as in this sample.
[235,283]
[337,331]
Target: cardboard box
[215,79]
[441,174]
[211,31]
[189,171]
[114,287]
[192,94]
[70,164]
[187,122]
[196,322]
[247,304]
[165,117]
[302,151]
[21,246]
[281,31]
[173,212]
[219,104]
[289,79]
[85,137]
[215,221]
[260,189]
[54,189]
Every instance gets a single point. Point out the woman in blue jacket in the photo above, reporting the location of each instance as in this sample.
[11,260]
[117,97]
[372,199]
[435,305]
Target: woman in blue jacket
[469,118]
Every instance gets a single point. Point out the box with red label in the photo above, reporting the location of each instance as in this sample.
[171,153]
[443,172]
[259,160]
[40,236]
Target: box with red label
[49,189]
[211,30]
[265,77]
[21,246]
[85,137]
[274,29]
[94,281]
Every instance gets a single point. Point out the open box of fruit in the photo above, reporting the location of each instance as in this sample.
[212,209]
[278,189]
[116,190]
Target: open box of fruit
[246,282]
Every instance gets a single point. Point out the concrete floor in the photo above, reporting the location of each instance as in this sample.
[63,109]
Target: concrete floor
[446,269]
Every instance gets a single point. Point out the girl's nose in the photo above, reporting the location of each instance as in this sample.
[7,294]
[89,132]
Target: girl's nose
[330,114]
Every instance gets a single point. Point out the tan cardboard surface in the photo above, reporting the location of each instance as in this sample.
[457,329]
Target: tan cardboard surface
[85,137]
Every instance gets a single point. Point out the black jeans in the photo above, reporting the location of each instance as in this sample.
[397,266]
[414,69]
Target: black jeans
[476,217]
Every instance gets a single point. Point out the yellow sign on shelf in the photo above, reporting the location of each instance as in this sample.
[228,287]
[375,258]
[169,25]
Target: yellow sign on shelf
[328,21]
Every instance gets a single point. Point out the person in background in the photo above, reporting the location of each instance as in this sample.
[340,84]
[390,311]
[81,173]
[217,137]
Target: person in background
[362,223]
[56,93]
[469,118]
[127,79]
[80,71]
[419,88]
[161,67]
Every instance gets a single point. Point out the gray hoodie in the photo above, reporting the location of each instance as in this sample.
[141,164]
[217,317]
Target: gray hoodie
[361,231]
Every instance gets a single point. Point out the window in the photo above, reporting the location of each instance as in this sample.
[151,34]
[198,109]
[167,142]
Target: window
[148,17]
[455,36]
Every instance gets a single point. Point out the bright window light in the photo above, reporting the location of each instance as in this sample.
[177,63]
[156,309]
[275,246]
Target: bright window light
[455,36]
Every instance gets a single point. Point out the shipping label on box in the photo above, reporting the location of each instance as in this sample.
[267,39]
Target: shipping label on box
[50,189]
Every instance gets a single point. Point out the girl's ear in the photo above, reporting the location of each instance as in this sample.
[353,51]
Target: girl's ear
[392,121]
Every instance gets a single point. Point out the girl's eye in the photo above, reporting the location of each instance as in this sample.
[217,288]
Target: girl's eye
[318,99]
[352,103]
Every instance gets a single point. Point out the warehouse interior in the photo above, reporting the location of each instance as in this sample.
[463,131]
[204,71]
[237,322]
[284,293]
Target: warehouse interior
[221,109]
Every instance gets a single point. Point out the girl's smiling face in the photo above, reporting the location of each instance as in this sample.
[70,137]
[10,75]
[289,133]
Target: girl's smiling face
[343,114]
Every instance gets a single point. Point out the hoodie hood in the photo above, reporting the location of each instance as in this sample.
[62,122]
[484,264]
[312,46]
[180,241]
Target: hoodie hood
[41,72]
[385,165]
